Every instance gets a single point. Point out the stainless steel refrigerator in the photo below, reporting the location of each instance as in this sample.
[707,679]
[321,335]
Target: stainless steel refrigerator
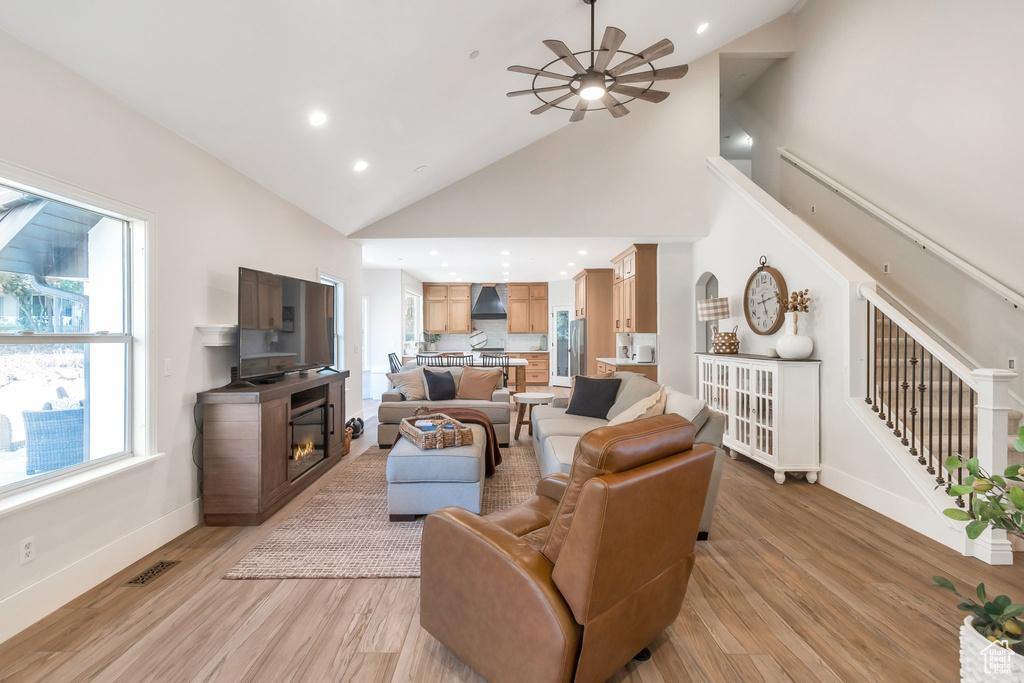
[578,347]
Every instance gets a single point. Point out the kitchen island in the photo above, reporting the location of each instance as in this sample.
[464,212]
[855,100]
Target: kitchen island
[516,369]
[648,370]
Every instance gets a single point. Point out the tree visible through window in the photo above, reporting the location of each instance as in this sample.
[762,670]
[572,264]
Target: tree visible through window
[412,318]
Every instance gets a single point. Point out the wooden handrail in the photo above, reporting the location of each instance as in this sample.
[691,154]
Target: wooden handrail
[1016,299]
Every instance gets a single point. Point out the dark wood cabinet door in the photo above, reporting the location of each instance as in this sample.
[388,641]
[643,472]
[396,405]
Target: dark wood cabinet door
[274,446]
[335,418]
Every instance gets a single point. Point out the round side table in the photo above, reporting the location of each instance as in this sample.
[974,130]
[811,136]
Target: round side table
[527,400]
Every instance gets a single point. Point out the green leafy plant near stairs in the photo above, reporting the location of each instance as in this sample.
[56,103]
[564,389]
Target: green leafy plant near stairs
[997,505]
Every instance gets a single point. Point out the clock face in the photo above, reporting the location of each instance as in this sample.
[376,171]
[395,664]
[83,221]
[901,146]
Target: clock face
[761,300]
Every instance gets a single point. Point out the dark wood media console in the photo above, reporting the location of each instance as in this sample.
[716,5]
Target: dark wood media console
[264,444]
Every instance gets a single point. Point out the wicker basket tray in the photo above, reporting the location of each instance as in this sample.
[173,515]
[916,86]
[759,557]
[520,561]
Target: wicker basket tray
[461,435]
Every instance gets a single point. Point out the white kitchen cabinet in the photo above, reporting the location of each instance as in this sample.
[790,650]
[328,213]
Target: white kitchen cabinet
[771,409]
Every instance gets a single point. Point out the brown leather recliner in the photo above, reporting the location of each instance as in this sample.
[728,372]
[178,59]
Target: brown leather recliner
[573,583]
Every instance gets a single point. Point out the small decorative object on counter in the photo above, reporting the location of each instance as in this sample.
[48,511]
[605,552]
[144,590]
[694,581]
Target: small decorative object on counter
[792,345]
[478,339]
[725,342]
[430,342]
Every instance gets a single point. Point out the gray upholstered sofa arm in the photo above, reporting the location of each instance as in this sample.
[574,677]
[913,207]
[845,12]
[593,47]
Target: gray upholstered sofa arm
[560,402]
[392,396]
[712,430]
[500,396]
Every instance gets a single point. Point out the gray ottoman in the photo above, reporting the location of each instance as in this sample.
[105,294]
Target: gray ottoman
[420,482]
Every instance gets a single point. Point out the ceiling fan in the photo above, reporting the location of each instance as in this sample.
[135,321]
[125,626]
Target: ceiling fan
[599,83]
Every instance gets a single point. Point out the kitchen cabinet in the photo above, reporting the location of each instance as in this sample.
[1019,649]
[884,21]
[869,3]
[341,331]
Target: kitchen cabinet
[538,368]
[459,316]
[527,308]
[771,409]
[610,365]
[435,292]
[636,300]
[446,308]
[458,292]
[594,303]
[435,316]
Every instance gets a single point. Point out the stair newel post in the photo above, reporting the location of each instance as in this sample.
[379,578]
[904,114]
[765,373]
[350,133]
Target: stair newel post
[874,364]
[913,402]
[932,421]
[868,357]
[993,420]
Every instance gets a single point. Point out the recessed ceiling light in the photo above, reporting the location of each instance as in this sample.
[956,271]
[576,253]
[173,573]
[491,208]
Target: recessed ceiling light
[474,54]
[505,265]
[435,252]
[360,166]
[703,27]
[419,169]
[506,252]
[564,272]
[317,118]
[570,264]
[505,273]
[582,252]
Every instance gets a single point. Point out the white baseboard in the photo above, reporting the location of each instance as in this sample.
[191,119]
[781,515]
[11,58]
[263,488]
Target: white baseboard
[29,605]
[917,516]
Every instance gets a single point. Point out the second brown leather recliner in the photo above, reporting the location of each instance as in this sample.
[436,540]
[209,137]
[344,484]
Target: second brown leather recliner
[574,582]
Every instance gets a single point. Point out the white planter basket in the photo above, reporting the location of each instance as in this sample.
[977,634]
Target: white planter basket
[982,661]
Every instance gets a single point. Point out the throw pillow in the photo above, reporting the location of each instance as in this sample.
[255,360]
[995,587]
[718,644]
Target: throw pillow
[638,388]
[409,383]
[440,386]
[600,375]
[478,384]
[645,407]
[690,407]
[593,397]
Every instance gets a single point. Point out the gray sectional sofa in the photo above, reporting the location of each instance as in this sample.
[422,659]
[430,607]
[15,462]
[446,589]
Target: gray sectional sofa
[394,407]
[555,433]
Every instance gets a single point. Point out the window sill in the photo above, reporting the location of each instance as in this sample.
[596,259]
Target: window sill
[44,492]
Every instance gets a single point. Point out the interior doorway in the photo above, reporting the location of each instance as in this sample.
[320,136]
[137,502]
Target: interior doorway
[560,376]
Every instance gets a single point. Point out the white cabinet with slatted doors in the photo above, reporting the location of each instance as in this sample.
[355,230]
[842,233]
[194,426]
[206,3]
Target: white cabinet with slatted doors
[771,408]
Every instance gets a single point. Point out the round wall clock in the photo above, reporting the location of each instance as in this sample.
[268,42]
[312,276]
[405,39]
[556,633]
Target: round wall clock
[761,299]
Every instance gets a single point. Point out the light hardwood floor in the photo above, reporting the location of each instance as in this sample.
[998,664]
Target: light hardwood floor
[796,583]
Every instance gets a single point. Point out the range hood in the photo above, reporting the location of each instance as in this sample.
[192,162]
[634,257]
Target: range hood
[488,305]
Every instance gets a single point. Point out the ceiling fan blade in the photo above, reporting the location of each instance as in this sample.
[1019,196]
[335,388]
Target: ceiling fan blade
[581,111]
[662,48]
[517,93]
[562,50]
[640,94]
[548,105]
[614,106]
[539,72]
[613,38]
[666,74]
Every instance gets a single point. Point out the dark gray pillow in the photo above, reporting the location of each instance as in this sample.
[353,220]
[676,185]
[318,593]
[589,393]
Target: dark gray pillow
[593,397]
[440,386]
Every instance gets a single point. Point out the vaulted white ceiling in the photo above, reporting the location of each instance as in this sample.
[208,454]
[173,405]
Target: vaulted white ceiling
[239,78]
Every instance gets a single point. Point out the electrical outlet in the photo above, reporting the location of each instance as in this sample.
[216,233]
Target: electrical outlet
[167,367]
[27,550]
[885,268]
[1011,363]
[814,208]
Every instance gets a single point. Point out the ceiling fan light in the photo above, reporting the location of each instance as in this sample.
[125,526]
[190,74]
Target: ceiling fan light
[592,92]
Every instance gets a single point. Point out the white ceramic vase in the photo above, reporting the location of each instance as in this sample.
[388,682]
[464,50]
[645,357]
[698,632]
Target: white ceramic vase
[982,661]
[431,347]
[793,346]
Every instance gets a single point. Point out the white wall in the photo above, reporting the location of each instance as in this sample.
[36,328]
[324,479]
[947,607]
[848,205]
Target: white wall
[923,120]
[853,463]
[676,315]
[384,288]
[210,220]
[638,175]
[562,293]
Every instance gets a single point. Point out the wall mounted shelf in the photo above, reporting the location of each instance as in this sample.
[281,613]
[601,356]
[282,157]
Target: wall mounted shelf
[218,335]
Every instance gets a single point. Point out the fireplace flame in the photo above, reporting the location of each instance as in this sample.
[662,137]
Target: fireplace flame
[303,449]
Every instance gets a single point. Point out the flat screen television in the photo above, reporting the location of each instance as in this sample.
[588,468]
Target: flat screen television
[284,324]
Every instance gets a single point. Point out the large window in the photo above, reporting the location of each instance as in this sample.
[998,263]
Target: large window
[339,319]
[412,318]
[65,337]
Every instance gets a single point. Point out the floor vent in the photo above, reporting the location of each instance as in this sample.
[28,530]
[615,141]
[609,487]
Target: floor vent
[149,575]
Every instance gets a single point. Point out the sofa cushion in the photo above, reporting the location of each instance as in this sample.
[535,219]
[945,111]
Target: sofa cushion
[410,384]
[646,407]
[692,408]
[561,449]
[440,386]
[407,463]
[637,388]
[393,413]
[593,397]
[567,425]
[478,383]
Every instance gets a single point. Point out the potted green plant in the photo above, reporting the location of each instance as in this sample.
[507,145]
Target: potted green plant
[430,341]
[991,635]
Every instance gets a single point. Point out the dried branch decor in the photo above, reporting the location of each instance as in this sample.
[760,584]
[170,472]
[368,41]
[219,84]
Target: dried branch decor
[797,303]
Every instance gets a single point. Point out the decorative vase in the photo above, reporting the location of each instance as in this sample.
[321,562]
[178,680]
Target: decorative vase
[792,345]
[984,661]
[431,347]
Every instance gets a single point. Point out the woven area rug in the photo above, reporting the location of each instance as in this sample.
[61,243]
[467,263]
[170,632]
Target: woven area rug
[343,531]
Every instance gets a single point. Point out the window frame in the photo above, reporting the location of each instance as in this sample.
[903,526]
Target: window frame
[326,278]
[139,326]
[417,314]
